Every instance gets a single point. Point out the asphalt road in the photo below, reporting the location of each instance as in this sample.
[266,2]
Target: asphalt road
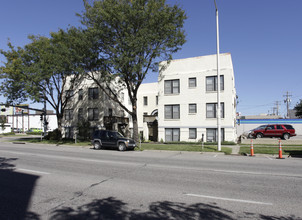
[53,182]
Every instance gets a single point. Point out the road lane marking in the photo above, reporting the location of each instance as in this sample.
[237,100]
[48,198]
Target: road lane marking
[229,199]
[32,171]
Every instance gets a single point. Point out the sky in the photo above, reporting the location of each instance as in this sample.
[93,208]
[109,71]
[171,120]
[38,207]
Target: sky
[264,38]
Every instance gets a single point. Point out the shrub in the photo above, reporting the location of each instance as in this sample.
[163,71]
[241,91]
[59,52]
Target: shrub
[54,135]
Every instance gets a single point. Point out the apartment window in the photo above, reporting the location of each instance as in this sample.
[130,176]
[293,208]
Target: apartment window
[80,114]
[192,133]
[211,83]
[212,134]
[69,94]
[93,114]
[110,112]
[172,86]
[81,94]
[68,114]
[93,93]
[69,132]
[172,134]
[192,82]
[172,111]
[145,100]
[192,108]
[156,100]
[212,110]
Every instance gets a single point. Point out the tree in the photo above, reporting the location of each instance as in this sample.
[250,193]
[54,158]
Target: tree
[298,109]
[45,69]
[131,36]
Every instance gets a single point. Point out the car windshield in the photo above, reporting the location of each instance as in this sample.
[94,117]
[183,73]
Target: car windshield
[119,135]
[260,127]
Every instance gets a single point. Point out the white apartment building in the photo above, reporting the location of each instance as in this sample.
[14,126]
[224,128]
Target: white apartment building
[147,111]
[187,91]
[181,106]
[89,103]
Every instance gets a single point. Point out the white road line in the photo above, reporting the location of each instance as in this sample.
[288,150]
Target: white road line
[32,171]
[269,158]
[229,199]
[215,155]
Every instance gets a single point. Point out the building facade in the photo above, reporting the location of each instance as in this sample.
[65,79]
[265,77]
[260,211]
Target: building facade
[187,91]
[181,106]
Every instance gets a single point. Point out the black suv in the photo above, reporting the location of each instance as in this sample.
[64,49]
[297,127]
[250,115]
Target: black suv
[112,139]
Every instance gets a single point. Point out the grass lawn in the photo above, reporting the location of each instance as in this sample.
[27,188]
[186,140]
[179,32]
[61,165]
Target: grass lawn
[184,147]
[267,150]
[145,146]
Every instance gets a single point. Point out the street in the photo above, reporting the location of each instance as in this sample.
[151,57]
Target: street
[55,182]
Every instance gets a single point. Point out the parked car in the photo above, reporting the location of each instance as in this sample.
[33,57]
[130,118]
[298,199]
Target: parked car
[283,131]
[248,134]
[111,139]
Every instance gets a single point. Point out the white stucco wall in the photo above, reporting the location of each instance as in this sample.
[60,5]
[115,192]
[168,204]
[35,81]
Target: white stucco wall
[198,67]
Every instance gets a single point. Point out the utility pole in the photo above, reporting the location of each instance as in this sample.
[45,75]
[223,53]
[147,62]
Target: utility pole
[287,101]
[218,84]
[277,103]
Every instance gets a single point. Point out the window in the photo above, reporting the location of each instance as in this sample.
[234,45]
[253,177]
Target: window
[156,100]
[172,111]
[172,134]
[93,114]
[145,100]
[279,127]
[211,83]
[110,112]
[69,94]
[192,133]
[69,132]
[212,109]
[81,94]
[93,93]
[192,82]
[212,134]
[192,108]
[68,114]
[172,86]
[80,114]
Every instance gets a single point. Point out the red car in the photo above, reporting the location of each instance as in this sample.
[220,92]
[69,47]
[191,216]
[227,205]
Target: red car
[283,131]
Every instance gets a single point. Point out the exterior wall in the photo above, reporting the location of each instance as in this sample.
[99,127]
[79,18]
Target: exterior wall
[26,122]
[103,104]
[150,91]
[199,67]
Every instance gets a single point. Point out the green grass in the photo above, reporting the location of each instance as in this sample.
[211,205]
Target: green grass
[184,147]
[62,142]
[266,150]
[145,146]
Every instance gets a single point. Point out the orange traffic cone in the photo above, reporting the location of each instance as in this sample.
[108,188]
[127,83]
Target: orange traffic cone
[252,149]
[280,151]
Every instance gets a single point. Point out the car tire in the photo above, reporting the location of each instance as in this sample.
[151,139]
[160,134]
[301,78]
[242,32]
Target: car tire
[121,147]
[285,136]
[97,145]
[259,135]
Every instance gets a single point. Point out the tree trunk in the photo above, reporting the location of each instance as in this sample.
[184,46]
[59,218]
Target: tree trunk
[135,124]
[59,123]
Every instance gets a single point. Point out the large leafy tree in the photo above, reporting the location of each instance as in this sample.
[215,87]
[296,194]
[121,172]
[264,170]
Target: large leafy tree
[131,36]
[44,69]
[298,109]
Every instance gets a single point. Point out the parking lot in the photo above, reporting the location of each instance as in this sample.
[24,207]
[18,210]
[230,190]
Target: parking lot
[297,140]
